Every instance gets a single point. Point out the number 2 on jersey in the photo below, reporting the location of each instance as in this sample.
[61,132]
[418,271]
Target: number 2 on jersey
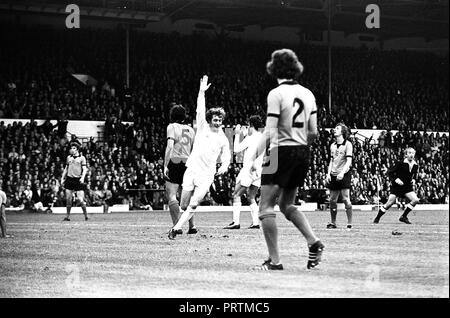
[297,124]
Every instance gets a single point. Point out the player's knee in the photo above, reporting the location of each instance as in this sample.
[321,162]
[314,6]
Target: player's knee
[347,203]
[415,201]
[193,204]
[289,211]
[333,200]
[266,210]
[173,202]
[333,204]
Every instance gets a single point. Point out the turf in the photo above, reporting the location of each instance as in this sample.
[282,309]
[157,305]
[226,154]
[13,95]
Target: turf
[129,255]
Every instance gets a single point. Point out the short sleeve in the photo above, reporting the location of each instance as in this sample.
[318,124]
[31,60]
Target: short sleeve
[171,132]
[349,149]
[273,104]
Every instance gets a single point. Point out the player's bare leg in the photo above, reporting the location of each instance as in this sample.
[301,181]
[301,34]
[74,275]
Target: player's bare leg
[298,218]
[293,214]
[185,199]
[252,191]
[174,206]
[269,194]
[385,207]
[334,196]
[348,207]
[195,197]
[69,200]
[413,201]
[80,198]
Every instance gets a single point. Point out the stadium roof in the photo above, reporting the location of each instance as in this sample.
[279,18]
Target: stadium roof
[399,18]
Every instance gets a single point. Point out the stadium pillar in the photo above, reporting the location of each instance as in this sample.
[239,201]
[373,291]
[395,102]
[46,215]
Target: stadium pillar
[330,3]
[128,54]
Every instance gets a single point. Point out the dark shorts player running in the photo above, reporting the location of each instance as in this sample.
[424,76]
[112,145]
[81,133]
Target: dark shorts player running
[402,177]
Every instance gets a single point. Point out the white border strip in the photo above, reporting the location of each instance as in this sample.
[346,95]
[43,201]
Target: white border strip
[307,207]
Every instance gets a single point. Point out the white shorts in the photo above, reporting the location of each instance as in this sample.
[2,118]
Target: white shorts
[192,179]
[247,178]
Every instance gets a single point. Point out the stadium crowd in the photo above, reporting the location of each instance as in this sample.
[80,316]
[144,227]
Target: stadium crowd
[405,91]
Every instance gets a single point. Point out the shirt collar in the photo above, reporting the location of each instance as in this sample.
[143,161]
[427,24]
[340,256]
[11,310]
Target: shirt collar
[288,82]
[413,162]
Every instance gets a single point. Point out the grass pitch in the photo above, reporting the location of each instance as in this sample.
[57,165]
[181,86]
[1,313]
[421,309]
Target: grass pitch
[129,255]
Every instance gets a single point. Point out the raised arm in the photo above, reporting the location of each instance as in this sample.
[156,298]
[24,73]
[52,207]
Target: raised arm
[201,103]
[237,145]
[270,131]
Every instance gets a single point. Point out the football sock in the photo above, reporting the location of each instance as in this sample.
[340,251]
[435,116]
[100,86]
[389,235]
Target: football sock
[174,209]
[349,212]
[254,211]
[333,212]
[3,221]
[185,216]
[83,207]
[381,212]
[408,209]
[236,211]
[68,208]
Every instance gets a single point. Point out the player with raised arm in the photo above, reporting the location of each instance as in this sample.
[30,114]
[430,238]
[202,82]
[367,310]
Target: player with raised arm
[339,176]
[180,138]
[247,181]
[291,126]
[210,144]
[73,179]
[402,177]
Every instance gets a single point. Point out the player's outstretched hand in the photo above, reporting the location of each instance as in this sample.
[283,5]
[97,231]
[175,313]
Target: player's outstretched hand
[398,181]
[221,170]
[204,84]
[328,179]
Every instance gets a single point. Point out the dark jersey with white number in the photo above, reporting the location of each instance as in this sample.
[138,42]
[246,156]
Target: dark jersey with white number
[293,104]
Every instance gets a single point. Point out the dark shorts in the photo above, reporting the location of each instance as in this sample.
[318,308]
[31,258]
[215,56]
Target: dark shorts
[176,172]
[291,169]
[73,184]
[400,191]
[345,183]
